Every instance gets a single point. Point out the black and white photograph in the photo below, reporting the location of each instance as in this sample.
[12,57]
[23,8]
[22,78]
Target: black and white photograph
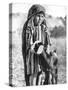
[37,44]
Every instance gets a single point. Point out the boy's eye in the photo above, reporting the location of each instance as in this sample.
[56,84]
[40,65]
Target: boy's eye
[42,16]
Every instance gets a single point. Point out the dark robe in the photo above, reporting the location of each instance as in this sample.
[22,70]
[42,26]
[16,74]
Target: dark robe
[31,61]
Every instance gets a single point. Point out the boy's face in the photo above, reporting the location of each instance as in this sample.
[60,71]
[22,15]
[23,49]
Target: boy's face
[38,19]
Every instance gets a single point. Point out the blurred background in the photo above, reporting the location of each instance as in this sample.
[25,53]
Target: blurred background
[56,21]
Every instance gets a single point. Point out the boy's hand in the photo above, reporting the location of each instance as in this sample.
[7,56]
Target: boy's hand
[33,45]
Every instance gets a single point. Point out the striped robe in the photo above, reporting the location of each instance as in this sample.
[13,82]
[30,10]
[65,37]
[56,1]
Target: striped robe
[31,60]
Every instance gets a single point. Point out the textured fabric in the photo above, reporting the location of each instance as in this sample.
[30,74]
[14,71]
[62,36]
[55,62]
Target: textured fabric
[31,60]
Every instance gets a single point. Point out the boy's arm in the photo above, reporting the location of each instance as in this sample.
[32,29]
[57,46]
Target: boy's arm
[28,39]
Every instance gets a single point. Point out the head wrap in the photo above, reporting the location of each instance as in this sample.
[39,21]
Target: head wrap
[36,9]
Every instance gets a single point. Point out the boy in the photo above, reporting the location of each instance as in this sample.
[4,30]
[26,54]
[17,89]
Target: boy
[34,34]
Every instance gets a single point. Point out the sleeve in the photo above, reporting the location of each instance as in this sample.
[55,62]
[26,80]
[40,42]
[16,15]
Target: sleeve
[25,48]
[25,39]
[28,39]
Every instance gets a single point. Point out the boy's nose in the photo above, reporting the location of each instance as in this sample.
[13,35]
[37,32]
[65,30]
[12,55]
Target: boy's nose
[40,18]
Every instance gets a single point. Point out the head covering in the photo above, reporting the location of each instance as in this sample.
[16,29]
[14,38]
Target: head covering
[35,9]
